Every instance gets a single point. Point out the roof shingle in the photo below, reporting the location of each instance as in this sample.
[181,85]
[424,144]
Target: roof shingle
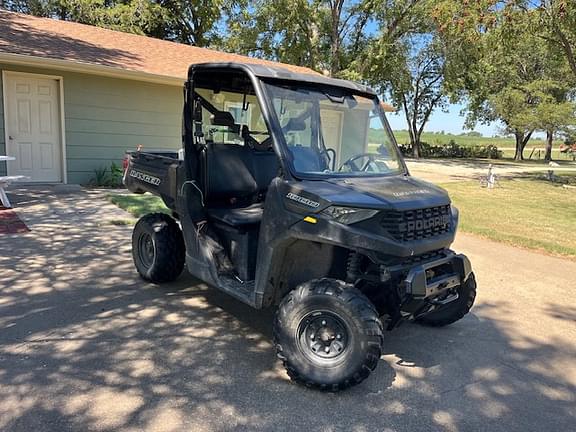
[83,44]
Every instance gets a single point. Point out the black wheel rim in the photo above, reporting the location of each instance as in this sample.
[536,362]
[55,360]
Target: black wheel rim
[146,251]
[323,337]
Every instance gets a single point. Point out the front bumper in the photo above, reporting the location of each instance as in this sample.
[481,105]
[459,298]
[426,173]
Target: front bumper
[432,279]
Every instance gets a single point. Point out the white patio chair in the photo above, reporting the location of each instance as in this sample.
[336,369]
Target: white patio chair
[4,182]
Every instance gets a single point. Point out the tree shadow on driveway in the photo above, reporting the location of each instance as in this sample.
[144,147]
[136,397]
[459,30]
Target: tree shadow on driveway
[86,345]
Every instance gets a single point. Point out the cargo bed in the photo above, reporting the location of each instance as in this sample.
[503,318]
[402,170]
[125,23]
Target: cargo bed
[154,173]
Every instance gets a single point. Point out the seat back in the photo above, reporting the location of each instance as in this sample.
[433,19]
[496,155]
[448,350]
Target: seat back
[265,167]
[228,177]
[236,175]
[307,160]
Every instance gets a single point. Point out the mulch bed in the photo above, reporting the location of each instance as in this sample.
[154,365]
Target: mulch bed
[10,223]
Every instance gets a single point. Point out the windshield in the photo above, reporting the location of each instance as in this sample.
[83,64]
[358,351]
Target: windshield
[334,134]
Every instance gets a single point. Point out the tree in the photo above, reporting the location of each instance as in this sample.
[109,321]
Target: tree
[508,70]
[346,24]
[194,22]
[132,16]
[416,84]
[324,35]
[559,19]
[283,30]
[184,21]
[517,108]
[555,116]
[406,61]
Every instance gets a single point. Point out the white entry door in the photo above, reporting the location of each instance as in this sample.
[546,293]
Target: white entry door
[332,131]
[33,127]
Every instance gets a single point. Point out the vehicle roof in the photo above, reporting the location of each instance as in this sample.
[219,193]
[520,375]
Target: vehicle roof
[281,73]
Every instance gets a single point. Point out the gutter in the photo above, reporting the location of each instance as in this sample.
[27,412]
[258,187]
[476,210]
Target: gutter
[89,68]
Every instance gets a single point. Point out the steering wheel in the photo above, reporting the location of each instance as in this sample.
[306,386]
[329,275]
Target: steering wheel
[353,165]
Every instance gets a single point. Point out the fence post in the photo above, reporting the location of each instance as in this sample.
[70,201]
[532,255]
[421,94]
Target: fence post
[491,178]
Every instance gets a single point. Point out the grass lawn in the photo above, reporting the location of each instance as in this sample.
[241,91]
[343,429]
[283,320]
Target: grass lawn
[538,155]
[530,213]
[138,205]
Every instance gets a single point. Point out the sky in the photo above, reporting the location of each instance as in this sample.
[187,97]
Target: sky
[450,122]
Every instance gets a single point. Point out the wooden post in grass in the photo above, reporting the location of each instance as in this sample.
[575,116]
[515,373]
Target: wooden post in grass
[551,177]
[491,177]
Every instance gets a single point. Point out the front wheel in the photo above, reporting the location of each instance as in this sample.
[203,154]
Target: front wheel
[455,310]
[328,335]
[158,248]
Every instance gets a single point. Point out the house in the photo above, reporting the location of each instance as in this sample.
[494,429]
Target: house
[74,97]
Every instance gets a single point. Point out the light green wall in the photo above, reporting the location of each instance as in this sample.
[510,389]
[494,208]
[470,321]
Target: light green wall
[106,116]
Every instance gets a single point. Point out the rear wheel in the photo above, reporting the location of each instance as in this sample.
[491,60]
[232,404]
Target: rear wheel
[328,335]
[158,248]
[455,310]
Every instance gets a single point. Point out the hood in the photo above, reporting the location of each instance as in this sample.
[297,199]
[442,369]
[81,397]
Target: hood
[397,192]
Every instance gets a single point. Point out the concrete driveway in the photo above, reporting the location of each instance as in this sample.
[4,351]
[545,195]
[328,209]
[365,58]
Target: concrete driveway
[86,345]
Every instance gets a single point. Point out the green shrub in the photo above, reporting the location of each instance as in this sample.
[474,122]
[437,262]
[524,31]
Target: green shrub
[116,174]
[454,150]
[108,177]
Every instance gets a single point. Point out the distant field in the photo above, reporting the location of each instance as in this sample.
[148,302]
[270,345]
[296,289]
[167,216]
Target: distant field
[439,139]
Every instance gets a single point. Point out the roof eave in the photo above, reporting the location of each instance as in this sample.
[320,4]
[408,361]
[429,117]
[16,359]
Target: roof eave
[88,68]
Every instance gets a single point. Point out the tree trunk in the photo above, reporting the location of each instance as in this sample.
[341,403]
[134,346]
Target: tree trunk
[416,146]
[335,37]
[412,129]
[519,153]
[414,139]
[549,143]
[521,141]
[415,149]
[524,142]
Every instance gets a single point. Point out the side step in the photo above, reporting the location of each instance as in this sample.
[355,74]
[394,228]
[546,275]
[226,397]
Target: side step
[243,291]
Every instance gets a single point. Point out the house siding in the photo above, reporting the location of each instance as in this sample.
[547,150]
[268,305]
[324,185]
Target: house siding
[104,117]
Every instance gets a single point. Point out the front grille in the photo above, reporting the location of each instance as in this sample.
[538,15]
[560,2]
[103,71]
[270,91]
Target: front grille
[419,259]
[411,225]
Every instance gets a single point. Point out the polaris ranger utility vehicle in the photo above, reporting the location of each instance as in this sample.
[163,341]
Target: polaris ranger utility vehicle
[292,192]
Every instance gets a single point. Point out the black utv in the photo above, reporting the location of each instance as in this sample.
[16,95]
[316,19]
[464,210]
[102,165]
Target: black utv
[292,192]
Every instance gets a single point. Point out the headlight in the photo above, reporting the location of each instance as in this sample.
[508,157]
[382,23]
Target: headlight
[349,215]
[455,216]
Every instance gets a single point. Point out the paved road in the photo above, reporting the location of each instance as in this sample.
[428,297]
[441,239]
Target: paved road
[85,345]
